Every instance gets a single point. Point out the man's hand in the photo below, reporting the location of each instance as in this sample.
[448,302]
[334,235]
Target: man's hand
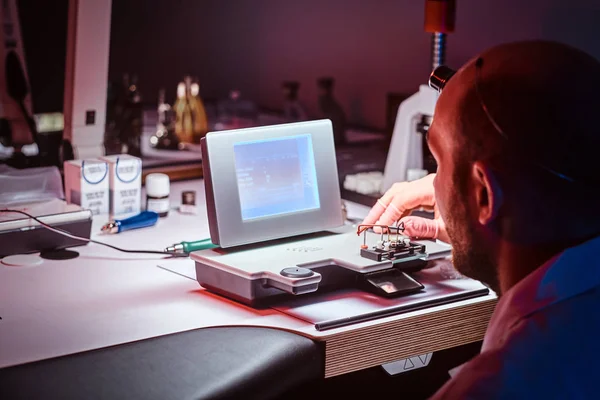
[404,197]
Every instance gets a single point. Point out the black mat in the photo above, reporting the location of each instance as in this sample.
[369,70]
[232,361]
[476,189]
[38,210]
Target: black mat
[211,363]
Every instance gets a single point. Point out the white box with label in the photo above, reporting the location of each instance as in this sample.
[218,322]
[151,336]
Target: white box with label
[125,180]
[86,184]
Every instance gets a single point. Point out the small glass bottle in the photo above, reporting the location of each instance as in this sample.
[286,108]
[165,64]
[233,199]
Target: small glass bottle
[183,115]
[135,111]
[157,194]
[200,121]
[293,111]
[332,110]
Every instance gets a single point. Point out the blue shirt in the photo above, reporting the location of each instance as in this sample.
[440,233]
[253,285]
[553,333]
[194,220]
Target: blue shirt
[543,340]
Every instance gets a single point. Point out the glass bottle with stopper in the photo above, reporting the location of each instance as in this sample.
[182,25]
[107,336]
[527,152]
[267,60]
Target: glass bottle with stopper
[200,121]
[165,137]
[164,110]
[183,115]
[292,109]
[129,117]
[332,110]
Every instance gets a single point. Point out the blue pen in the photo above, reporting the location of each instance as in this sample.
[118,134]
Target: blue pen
[142,220]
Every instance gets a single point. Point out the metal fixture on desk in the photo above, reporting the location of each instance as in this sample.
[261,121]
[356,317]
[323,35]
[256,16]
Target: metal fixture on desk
[409,157]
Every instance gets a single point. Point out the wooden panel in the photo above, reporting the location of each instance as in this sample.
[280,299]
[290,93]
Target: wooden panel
[391,341]
[177,172]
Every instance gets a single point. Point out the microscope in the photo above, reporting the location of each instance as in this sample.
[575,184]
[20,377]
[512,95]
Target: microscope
[408,156]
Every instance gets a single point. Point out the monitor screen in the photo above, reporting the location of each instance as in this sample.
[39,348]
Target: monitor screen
[276,177]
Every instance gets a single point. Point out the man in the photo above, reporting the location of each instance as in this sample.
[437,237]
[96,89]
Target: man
[516,137]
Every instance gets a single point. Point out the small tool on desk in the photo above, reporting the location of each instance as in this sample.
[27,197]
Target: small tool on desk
[188,247]
[188,202]
[141,220]
[81,238]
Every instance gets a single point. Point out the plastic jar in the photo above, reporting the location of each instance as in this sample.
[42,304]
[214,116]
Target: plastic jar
[157,193]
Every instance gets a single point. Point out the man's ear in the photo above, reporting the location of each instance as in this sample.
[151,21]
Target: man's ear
[488,193]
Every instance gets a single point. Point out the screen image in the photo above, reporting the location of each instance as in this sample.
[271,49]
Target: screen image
[276,176]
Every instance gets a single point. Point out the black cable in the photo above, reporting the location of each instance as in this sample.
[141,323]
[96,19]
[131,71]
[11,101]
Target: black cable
[65,233]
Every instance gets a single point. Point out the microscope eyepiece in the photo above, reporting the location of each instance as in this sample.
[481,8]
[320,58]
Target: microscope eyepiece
[440,76]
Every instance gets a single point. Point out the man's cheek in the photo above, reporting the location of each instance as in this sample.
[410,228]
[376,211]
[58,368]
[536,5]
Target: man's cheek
[441,208]
[439,194]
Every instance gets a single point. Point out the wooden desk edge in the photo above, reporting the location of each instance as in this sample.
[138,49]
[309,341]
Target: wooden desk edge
[378,344]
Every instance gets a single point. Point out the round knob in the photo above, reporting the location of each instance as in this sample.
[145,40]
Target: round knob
[296,272]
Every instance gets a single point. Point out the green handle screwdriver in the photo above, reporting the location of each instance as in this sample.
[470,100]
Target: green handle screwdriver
[188,247]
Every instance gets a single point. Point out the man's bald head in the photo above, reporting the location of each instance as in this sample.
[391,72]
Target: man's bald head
[505,214]
[544,96]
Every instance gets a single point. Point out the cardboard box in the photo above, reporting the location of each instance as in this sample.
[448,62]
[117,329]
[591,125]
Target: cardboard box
[87,184]
[125,184]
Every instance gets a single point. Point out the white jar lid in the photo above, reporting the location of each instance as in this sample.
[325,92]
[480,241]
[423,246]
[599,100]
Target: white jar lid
[157,185]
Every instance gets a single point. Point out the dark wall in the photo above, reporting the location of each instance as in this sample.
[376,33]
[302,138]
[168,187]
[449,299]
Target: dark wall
[371,47]
[44,36]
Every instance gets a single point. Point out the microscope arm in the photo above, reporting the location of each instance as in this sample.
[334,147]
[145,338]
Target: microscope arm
[86,77]
[406,147]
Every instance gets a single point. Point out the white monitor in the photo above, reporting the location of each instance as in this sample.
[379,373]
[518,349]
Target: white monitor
[271,182]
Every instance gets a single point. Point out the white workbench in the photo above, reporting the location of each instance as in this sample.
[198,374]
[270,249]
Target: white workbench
[105,298]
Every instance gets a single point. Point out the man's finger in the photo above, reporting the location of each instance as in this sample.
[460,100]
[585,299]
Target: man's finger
[389,195]
[381,205]
[418,227]
[375,213]
[390,216]
[400,199]
[398,208]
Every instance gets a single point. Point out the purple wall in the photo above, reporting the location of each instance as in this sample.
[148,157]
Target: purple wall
[371,47]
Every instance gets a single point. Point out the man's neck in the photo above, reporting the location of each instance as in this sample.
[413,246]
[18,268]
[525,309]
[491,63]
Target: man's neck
[516,261]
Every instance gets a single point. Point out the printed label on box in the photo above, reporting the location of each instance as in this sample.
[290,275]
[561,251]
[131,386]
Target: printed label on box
[126,193]
[87,183]
[93,195]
